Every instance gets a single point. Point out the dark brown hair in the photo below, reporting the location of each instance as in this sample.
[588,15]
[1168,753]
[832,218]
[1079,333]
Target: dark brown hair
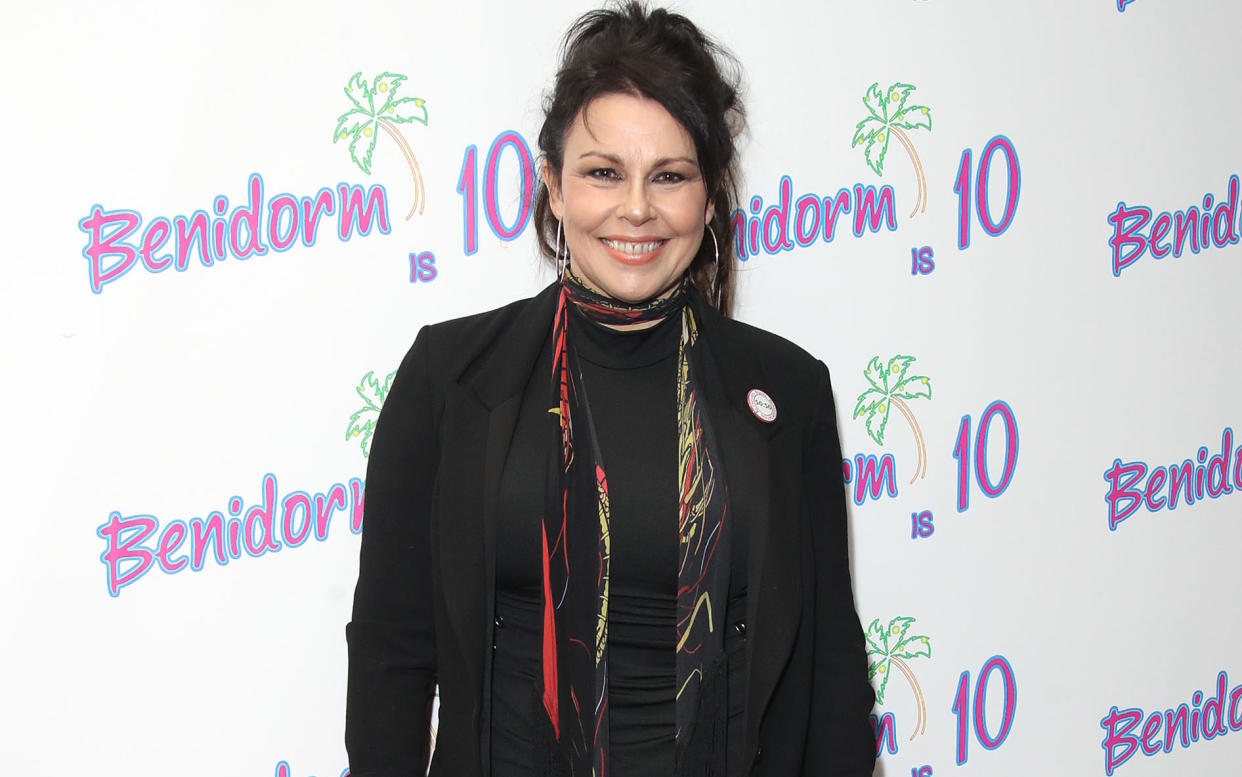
[664,57]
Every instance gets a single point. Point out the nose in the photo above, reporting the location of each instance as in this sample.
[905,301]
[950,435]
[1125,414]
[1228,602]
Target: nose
[635,207]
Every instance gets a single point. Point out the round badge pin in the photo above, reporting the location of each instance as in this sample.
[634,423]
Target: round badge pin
[761,405]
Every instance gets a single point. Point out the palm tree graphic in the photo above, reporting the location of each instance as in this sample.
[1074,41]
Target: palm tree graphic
[894,645]
[373,393]
[891,386]
[889,117]
[376,105]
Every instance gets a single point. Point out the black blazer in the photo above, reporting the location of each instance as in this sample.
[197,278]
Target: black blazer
[423,607]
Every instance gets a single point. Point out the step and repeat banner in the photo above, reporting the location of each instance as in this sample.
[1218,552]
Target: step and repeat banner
[1010,229]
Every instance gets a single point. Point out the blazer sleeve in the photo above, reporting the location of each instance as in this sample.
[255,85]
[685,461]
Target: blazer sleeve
[841,742]
[392,650]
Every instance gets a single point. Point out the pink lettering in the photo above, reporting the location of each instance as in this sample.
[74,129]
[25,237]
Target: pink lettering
[106,230]
[170,539]
[262,516]
[1150,729]
[1154,483]
[204,533]
[153,237]
[248,216]
[1118,745]
[833,207]
[312,210]
[1159,230]
[873,209]
[190,231]
[359,209]
[1122,478]
[1127,242]
[126,558]
[289,512]
[325,506]
[357,490]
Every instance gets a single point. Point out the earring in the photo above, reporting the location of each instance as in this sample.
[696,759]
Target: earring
[560,265]
[719,285]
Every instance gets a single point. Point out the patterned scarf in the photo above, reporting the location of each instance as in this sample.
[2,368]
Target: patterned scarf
[576,558]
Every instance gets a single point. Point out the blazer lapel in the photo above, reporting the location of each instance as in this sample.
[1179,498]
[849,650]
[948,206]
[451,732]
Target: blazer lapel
[481,410]
[750,449]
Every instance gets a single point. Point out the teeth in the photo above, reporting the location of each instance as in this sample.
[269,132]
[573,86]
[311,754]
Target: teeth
[633,249]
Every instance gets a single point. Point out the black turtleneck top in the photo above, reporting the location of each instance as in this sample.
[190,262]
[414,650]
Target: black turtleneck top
[630,382]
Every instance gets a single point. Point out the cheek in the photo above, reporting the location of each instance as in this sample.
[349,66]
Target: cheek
[582,208]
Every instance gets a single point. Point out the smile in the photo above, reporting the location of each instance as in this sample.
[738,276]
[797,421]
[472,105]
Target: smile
[634,253]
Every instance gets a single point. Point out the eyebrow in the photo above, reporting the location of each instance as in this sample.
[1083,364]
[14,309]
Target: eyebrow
[616,160]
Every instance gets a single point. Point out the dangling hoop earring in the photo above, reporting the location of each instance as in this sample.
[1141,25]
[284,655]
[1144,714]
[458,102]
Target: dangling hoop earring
[716,278]
[560,266]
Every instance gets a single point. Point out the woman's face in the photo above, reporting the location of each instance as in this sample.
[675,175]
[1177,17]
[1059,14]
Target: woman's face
[631,197]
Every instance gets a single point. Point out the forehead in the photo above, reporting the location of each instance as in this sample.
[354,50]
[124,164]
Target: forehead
[628,126]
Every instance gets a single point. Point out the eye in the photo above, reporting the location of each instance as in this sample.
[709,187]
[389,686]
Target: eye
[603,174]
[670,176]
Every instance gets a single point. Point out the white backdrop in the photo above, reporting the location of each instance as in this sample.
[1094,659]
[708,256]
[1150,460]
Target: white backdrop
[155,406]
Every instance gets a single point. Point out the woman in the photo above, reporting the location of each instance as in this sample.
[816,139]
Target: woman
[608,521]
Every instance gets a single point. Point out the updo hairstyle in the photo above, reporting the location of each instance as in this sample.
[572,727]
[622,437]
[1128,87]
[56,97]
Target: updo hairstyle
[664,57]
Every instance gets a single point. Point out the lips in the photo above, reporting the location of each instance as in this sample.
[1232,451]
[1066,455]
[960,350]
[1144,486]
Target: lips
[633,252]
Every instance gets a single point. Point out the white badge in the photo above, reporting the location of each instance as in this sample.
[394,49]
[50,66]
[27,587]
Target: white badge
[761,405]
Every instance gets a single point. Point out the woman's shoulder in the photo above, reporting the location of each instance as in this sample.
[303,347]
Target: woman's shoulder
[772,346]
[754,358]
[459,346]
[775,354]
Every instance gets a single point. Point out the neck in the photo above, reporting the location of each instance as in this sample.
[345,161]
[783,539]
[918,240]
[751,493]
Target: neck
[619,314]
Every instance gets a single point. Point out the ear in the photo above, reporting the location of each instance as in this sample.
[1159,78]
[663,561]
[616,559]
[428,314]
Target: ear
[553,182]
[711,213]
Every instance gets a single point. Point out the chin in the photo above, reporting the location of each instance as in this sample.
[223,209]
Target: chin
[637,291]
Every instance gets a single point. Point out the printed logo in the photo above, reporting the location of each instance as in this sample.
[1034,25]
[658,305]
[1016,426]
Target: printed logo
[891,386]
[377,107]
[1136,232]
[224,535]
[1161,731]
[889,117]
[1209,475]
[892,646]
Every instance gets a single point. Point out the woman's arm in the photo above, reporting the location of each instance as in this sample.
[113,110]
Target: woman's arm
[392,650]
[840,740]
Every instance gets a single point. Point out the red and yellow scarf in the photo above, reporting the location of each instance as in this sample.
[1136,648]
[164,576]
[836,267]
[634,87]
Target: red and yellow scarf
[576,557]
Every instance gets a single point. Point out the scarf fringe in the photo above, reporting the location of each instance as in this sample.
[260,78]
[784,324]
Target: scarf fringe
[702,752]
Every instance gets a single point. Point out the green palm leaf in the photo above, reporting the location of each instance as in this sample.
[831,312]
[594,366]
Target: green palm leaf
[886,381]
[897,94]
[913,117]
[877,420]
[372,392]
[913,387]
[876,102]
[914,647]
[897,367]
[362,146]
[359,94]
[876,375]
[886,110]
[406,110]
[370,103]
[886,642]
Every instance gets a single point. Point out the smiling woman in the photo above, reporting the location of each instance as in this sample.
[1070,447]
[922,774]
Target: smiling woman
[609,521]
[630,197]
